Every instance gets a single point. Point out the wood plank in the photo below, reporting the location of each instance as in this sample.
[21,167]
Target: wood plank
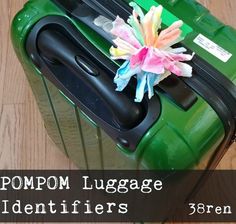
[224,10]
[14,84]
[11,136]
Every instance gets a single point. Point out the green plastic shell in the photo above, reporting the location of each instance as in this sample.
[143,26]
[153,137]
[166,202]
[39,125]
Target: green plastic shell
[178,139]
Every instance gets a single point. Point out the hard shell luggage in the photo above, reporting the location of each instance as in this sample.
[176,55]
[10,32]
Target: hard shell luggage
[189,123]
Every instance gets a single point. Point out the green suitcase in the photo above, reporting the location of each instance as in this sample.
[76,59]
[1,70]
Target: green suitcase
[95,132]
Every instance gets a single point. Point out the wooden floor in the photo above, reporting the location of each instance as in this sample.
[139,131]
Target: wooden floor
[24,143]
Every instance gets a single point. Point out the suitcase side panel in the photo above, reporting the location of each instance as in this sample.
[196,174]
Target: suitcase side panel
[87,145]
[190,137]
[47,96]
[20,27]
[67,121]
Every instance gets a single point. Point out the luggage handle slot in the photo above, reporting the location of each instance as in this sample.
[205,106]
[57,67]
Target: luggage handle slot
[172,85]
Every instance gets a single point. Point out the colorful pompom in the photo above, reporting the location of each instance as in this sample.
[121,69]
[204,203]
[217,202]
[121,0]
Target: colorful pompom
[147,53]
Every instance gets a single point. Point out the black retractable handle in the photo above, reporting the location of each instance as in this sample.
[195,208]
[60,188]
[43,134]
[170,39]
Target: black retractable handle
[56,47]
[85,76]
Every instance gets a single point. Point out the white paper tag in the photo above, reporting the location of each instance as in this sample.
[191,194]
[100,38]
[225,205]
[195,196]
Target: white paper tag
[212,48]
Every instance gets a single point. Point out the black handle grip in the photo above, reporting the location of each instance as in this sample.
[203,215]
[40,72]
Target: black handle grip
[55,46]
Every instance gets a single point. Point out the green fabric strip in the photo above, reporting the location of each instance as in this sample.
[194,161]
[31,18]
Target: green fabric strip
[167,17]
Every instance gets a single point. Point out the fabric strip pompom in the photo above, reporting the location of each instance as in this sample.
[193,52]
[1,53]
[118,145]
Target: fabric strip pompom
[147,51]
